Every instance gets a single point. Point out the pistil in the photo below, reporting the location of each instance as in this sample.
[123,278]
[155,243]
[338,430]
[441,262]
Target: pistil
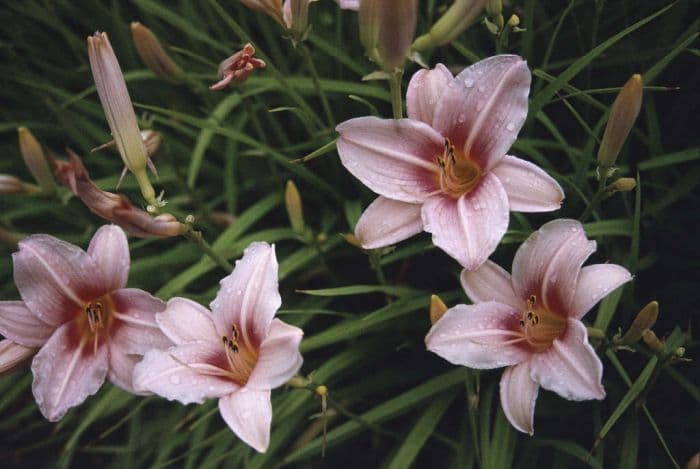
[458,174]
[539,326]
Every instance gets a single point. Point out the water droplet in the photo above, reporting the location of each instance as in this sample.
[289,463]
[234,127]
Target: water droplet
[510,127]
[468,82]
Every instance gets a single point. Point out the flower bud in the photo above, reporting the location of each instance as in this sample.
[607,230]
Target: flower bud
[35,159]
[119,111]
[652,341]
[296,17]
[13,355]
[352,240]
[292,201]
[437,308]
[273,8]
[494,10]
[514,21]
[387,28]
[12,185]
[621,185]
[154,56]
[623,113]
[236,69]
[645,319]
[456,19]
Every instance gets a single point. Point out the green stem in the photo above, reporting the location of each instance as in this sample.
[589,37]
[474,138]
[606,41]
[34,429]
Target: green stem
[597,197]
[317,83]
[395,88]
[197,237]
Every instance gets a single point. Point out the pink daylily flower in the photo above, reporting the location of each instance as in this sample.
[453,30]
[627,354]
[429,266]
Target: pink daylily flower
[531,322]
[237,352]
[444,170]
[76,310]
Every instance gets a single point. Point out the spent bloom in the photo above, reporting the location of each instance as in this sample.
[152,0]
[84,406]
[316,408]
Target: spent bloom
[113,207]
[530,322]
[445,169]
[76,310]
[236,69]
[237,352]
[119,111]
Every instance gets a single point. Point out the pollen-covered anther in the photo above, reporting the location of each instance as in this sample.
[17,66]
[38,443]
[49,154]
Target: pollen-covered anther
[94,315]
[539,326]
[458,174]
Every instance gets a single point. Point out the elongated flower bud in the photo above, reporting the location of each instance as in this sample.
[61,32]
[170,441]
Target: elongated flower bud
[387,28]
[13,185]
[456,19]
[35,159]
[645,319]
[292,201]
[154,56]
[119,111]
[623,113]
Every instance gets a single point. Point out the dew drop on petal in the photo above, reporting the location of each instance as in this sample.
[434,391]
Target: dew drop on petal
[469,83]
[510,127]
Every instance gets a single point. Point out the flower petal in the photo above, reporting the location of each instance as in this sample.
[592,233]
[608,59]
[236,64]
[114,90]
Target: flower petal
[55,278]
[529,188]
[279,358]
[547,264]
[388,221]
[485,106]
[394,158]
[182,373]
[66,371]
[249,414]
[121,369]
[110,250]
[135,329]
[490,282]
[570,367]
[13,355]
[424,91]
[18,324]
[249,296]
[595,282]
[484,335]
[518,397]
[186,321]
[468,228]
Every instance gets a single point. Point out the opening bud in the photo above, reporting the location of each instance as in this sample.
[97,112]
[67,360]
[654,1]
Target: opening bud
[35,159]
[623,113]
[154,56]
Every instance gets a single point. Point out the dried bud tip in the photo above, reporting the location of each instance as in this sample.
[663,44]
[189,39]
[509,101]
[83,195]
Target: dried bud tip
[437,308]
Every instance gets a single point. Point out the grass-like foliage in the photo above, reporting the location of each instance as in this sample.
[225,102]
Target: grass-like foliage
[224,163]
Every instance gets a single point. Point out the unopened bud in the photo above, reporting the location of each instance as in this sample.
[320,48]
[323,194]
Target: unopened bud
[623,113]
[13,355]
[387,28]
[292,201]
[514,21]
[352,240]
[437,308]
[35,159]
[119,111]
[456,19]
[645,319]
[622,185]
[652,341]
[154,56]
[12,185]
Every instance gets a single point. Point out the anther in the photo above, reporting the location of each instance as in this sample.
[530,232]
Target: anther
[234,332]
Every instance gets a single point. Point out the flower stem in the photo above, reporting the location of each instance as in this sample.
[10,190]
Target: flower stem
[595,200]
[395,88]
[197,237]
[317,83]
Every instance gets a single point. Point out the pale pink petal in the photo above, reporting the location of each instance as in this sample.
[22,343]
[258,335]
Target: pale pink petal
[424,91]
[386,222]
[547,264]
[110,250]
[570,367]
[249,297]
[529,188]
[183,373]
[135,329]
[18,324]
[518,396]
[484,335]
[185,321]
[394,158]
[13,355]
[490,282]
[66,371]
[121,369]
[249,414]
[55,278]
[279,358]
[468,228]
[484,108]
[595,282]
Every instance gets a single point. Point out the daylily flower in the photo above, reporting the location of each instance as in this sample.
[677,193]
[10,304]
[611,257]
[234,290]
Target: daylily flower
[236,69]
[113,207]
[445,169]
[76,309]
[237,352]
[531,322]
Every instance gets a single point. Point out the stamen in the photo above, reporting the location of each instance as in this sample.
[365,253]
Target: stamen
[458,174]
[94,315]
